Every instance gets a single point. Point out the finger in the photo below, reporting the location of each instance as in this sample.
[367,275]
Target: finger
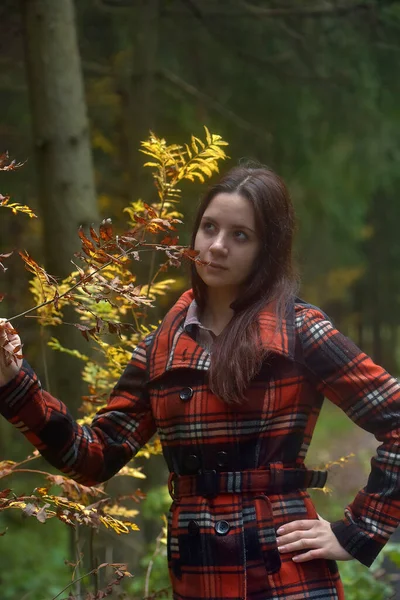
[297,525]
[8,333]
[5,327]
[6,339]
[288,538]
[310,555]
[303,544]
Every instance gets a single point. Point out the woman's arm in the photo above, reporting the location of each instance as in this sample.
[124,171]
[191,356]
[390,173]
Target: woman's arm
[371,398]
[88,454]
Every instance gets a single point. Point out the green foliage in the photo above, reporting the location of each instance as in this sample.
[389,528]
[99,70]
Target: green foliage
[361,583]
[34,560]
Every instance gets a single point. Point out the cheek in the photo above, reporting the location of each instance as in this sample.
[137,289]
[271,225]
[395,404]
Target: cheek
[245,263]
[200,242]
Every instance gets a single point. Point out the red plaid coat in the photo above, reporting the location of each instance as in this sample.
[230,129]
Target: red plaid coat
[239,468]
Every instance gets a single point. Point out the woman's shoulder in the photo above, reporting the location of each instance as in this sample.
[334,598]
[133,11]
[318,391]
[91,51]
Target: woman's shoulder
[304,310]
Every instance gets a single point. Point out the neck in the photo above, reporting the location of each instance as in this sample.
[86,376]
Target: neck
[217,312]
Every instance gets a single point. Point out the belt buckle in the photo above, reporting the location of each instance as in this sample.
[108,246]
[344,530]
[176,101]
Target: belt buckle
[208,483]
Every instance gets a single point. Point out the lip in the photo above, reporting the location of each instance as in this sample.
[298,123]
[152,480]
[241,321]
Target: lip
[217,266]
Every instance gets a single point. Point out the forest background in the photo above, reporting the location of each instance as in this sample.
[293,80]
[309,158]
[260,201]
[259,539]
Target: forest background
[308,88]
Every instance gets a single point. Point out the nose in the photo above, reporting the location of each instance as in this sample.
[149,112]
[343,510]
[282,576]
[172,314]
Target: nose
[218,245]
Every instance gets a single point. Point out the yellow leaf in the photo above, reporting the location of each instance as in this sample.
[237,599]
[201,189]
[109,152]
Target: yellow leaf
[208,136]
[132,472]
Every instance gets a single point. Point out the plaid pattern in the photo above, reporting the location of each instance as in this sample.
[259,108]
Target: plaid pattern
[225,547]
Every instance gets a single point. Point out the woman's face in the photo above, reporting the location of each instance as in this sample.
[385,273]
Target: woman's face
[228,241]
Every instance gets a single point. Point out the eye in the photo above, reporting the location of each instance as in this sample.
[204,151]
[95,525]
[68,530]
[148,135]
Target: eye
[240,235]
[208,227]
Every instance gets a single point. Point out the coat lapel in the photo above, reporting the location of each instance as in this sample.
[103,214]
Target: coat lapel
[174,348]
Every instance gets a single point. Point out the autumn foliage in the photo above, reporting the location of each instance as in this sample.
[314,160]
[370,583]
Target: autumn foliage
[107,298]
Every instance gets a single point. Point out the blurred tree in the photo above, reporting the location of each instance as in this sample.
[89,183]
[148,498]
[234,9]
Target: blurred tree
[65,178]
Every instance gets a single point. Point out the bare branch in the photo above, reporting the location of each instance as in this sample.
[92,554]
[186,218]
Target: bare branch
[332,10]
[214,104]
[116,3]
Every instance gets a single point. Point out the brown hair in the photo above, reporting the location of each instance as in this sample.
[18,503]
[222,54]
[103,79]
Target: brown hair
[236,354]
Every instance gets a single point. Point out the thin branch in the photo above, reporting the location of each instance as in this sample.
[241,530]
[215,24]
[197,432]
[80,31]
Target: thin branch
[112,4]
[217,106]
[151,563]
[84,279]
[333,10]
[240,8]
[12,471]
[76,580]
[44,357]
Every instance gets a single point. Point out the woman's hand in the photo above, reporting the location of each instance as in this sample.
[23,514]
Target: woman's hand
[313,538]
[10,352]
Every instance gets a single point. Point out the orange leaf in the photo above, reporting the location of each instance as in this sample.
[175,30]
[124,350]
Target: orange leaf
[170,241]
[94,235]
[106,230]
[140,219]
[190,253]
[87,245]
[150,211]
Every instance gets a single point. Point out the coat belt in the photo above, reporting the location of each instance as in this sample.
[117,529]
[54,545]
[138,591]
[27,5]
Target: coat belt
[274,480]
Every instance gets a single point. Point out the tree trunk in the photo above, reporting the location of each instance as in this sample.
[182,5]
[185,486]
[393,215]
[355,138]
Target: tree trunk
[141,103]
[66,188]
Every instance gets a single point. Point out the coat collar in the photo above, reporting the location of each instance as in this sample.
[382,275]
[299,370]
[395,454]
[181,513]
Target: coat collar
[174,348]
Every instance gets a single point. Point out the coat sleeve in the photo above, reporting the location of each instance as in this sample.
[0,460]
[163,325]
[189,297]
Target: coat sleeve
[88,454]
[371,398]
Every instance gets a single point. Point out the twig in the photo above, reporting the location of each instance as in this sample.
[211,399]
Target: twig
[77,569]
[44,356]
[93,562]
[87,278]
[12,471]
[151,563]
[320,11]
[217,106]
[75,581]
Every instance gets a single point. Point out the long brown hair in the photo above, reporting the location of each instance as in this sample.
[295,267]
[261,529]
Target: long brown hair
[236,354]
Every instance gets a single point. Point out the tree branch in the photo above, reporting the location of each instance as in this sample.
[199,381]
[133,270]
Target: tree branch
[333,10]
[214,104]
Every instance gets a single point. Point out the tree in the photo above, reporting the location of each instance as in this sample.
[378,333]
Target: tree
[65,178]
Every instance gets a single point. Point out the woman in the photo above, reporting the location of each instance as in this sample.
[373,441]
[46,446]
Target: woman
[233,381]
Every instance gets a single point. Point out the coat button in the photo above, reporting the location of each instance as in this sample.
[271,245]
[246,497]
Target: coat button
[222,459]
[186,394]
[192,463]
[222,527]
[193,528]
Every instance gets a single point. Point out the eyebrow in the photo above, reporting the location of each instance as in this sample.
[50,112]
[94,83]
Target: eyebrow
[233,226]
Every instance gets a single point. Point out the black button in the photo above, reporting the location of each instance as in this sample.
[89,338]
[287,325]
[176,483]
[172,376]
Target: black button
[222,459]
[193,528]
[222,527]
[186,394]
[192,463]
